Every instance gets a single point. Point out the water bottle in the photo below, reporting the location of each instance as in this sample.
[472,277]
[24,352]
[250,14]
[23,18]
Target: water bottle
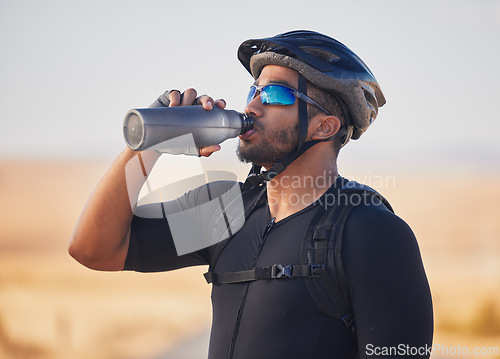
[146,127]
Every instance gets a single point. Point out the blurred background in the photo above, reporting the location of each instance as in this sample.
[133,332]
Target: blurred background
[70,70]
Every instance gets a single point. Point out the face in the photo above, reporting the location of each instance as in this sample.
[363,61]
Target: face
[276,127]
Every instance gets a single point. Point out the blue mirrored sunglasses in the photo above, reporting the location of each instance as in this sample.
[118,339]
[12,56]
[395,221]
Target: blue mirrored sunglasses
[276,94]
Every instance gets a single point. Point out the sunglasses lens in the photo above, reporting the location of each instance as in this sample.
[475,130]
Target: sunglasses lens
[272,95]
[251,94]
[277,95]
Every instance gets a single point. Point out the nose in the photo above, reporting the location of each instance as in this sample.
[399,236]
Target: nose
[255,107]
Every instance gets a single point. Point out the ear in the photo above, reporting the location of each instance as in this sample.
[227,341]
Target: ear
[324,126]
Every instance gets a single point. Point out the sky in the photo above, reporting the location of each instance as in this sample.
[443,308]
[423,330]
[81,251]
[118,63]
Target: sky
[70,70]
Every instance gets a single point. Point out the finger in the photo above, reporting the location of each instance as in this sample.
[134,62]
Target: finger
[188,97]
[206,101]
[175,98]
[221,103]
[208,150]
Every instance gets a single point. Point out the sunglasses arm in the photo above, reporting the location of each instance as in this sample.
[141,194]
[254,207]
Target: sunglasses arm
[310,101]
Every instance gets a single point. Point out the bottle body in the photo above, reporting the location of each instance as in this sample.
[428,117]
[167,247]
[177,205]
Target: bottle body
[147,127]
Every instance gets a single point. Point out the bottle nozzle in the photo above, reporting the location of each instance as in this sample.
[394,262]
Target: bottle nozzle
[246,123]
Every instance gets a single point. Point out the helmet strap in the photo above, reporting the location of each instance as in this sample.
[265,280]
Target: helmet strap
[303,120]
[255,177]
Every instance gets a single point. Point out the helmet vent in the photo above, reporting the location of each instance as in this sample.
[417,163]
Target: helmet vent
[320,54]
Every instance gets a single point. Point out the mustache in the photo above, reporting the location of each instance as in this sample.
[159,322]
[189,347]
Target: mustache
[256,124]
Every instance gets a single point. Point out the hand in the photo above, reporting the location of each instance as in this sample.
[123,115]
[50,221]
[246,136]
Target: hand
[188,98]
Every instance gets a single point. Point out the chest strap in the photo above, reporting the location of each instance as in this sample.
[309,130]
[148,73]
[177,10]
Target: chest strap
[277,271]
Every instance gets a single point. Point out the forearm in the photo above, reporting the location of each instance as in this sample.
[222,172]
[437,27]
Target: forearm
[101,236]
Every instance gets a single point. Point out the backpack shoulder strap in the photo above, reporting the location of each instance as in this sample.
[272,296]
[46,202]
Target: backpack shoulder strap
[329,291]
[323,247]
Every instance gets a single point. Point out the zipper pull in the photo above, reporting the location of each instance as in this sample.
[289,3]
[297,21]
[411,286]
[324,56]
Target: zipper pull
[270,224]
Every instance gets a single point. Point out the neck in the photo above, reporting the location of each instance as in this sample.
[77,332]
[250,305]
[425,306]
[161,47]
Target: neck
[302,182]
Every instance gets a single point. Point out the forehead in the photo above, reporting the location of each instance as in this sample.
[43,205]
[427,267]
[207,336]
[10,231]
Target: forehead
[275,73]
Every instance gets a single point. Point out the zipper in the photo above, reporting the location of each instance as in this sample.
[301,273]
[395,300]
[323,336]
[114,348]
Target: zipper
[269,226]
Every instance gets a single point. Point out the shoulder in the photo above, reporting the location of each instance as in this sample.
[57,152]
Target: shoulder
[195,199]
[373,233]
[211,191]
[380,246]
[372,216]
[371,226]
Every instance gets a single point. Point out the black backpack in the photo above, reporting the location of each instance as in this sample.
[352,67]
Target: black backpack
[321,259]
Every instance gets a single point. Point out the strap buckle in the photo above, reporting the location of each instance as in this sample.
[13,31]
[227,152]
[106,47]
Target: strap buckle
[348,320]
[278,271]
[316,270]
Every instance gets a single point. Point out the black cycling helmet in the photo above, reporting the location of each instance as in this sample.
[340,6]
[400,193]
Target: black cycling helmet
[326,63]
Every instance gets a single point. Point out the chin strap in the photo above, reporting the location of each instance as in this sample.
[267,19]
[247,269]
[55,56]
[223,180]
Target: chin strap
[256,177]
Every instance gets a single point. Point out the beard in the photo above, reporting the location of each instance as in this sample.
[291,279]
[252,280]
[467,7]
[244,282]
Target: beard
[271,147]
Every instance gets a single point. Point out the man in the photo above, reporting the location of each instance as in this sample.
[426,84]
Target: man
[310,97]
